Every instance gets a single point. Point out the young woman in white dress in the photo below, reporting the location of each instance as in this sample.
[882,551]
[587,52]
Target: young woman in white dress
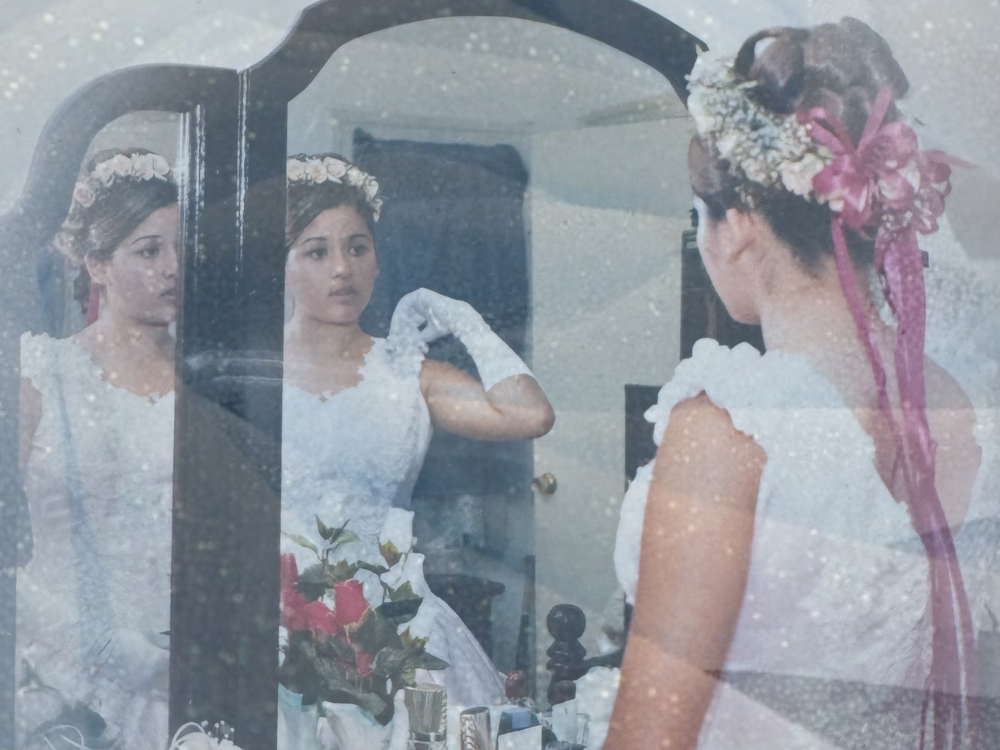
[797,523]
[358,411]
[96,451]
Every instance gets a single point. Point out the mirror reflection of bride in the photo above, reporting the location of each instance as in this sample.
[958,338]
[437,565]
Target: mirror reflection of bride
[96,457]
[359,411]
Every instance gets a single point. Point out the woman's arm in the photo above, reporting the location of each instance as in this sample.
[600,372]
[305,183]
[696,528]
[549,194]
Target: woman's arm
[31,415]
[513,409]
[696,542]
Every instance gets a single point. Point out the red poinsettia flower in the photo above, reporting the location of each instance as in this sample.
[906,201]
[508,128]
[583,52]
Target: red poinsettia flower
[296,612]
[350,604]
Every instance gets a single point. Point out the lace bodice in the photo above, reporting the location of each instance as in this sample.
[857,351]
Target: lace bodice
[99,485]
[350,456]
[99,481]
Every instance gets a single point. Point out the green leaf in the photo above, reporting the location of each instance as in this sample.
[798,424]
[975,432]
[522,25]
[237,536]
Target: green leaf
[409,676]
[342,571]
[372,568]
[324,531]
[375,633]
[390,553]
[303,542]
[403,593]
[390,661]
[345,537]
[336,537]
[411,642]
[423,660]
[332,647]
[314,582]
[399,612]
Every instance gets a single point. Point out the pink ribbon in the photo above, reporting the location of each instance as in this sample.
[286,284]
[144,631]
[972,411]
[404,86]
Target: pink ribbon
[886,182]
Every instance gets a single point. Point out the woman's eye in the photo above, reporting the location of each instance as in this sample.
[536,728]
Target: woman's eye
[149,251]
[360,249]
[316,253]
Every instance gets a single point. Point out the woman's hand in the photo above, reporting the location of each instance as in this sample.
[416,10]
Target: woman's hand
[433,315]
[696,541]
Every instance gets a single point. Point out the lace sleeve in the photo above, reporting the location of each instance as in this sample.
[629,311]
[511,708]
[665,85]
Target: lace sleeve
[37,359]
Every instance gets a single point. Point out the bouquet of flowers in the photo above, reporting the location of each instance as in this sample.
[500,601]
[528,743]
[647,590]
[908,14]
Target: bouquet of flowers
[340,648]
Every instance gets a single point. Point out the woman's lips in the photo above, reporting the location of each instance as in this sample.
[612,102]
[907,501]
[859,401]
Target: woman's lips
[169,294]
[350,292]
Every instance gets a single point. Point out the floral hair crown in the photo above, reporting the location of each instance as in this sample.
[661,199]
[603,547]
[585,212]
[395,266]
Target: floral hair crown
[315,170]
[139,167]
[762,147]
[884,181]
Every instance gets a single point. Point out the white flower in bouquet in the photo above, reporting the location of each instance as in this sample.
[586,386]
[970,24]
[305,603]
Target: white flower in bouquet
[397,530]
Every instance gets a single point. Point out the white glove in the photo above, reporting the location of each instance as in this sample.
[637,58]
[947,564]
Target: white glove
[430,315]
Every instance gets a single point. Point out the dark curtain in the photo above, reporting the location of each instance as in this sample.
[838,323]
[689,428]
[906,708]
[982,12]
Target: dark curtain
[453,222]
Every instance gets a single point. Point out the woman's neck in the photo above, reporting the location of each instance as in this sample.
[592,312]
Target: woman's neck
[119,336]
[810,316]
[317,340]
[135,356]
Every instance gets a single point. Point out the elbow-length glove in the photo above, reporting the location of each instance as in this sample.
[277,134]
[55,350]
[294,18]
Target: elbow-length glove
[429,316]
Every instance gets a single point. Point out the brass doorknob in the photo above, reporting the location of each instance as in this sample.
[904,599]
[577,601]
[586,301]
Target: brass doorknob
[546,484]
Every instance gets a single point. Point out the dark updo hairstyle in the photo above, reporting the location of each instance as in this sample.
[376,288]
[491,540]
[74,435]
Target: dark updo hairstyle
[839,67]
[95,231]
[307,200]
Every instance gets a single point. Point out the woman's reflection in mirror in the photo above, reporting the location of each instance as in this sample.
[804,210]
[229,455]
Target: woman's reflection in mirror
[358,410]
[96,450]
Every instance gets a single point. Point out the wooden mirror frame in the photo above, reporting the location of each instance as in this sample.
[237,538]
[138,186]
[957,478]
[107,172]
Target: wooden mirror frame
[226,519]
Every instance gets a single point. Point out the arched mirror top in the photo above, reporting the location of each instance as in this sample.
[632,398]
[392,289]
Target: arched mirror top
[325,27]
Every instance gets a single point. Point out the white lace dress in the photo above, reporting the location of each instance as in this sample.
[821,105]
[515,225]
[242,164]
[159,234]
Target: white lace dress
[350,457]
[93,603]
[837,593]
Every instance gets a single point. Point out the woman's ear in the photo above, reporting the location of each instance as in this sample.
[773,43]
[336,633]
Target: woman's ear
[741,230]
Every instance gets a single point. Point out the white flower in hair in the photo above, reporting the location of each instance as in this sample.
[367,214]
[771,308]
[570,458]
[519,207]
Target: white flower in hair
[84,194]
[142,166]
[316,171]
[354,176]
[335,169]
[121,165]
[105,172]
[797,176]
[761,146]
[160,166]
[295,170]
